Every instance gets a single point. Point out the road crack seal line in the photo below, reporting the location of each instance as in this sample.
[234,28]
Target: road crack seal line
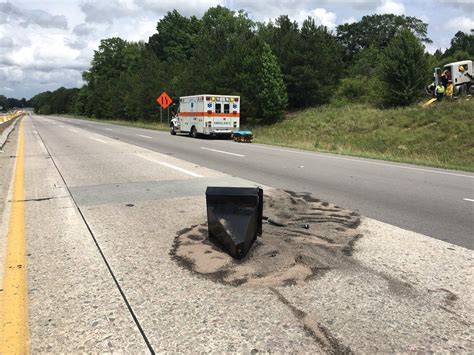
[109,268]
[40,199]
[320,334]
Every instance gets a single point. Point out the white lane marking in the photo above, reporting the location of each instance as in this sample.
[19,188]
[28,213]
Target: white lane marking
[141,135]
[171,166]
[108,129]
[61,126]
[73,130]
[468,199]
[221,151]
[89,125]
[98,140]
[366,162]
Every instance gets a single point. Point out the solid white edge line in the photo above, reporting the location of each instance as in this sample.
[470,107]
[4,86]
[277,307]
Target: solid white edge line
[223,152]
[99,140]
[73,130]
[141,135]
[365,162]
[171,166]
[468,199]
[108,129]
[179,169]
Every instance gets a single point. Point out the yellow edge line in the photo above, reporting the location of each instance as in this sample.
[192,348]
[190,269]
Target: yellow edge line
[13,297]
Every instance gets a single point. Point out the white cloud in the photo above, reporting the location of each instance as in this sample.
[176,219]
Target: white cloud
[466,5]
[265,10]
[349,20]
[107,11]
[363,5]
[83,30]
[185,7]
[462,23]
[391,7]
[11,74]
[321,17]
[6,89]
[26,17]
[6,42]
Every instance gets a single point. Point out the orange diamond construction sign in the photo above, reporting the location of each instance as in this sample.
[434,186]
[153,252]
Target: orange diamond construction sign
[164,100]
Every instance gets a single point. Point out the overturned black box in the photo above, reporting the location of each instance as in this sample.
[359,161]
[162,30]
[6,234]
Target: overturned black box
[234,217]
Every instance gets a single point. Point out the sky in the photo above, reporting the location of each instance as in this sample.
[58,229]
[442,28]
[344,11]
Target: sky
[48,44]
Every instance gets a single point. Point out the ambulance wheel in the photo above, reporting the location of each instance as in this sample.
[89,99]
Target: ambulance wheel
[172,130]
[194,132]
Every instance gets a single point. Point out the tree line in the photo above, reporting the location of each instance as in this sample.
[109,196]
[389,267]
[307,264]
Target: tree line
[275,66]
[8,103]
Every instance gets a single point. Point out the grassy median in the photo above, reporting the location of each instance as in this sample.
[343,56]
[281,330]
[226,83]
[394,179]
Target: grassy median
[441,135]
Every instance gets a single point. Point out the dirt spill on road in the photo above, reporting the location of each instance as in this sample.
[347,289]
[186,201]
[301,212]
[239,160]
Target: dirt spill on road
[302,238]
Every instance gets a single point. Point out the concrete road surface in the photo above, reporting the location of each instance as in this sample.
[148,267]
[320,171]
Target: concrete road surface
[103,205]
[434,202]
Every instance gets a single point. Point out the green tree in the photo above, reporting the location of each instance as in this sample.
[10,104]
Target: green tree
[403,69]
[377,31]
[272,97]
[175,39]
[4,103]
[461,42]
[310,59]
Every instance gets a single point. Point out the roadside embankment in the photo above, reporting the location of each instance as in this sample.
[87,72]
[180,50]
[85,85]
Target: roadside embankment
[439,136]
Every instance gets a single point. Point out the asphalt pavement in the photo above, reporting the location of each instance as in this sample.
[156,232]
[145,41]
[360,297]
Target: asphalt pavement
[434,202]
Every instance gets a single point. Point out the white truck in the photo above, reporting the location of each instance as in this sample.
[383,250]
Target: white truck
[460,73]
[216,115]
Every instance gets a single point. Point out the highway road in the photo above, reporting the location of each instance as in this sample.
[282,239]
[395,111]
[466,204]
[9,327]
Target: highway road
[91,220]
[435,202]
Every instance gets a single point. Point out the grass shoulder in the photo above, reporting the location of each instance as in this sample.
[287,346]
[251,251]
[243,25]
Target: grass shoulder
[440,136]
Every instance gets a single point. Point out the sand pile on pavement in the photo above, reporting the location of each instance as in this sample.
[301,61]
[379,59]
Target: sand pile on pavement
[302,237]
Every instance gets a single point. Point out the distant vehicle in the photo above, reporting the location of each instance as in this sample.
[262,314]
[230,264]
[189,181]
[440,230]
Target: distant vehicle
[216,115]
[461,74]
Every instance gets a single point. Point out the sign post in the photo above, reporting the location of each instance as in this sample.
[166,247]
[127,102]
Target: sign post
[164,101]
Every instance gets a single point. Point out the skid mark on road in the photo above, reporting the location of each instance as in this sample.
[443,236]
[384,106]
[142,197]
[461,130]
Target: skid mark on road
[13,296]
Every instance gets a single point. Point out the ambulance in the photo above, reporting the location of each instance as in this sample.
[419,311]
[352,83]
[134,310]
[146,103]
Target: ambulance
[215,115]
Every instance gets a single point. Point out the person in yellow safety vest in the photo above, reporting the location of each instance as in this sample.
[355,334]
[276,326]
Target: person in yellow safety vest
[450,90]
[439,91]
